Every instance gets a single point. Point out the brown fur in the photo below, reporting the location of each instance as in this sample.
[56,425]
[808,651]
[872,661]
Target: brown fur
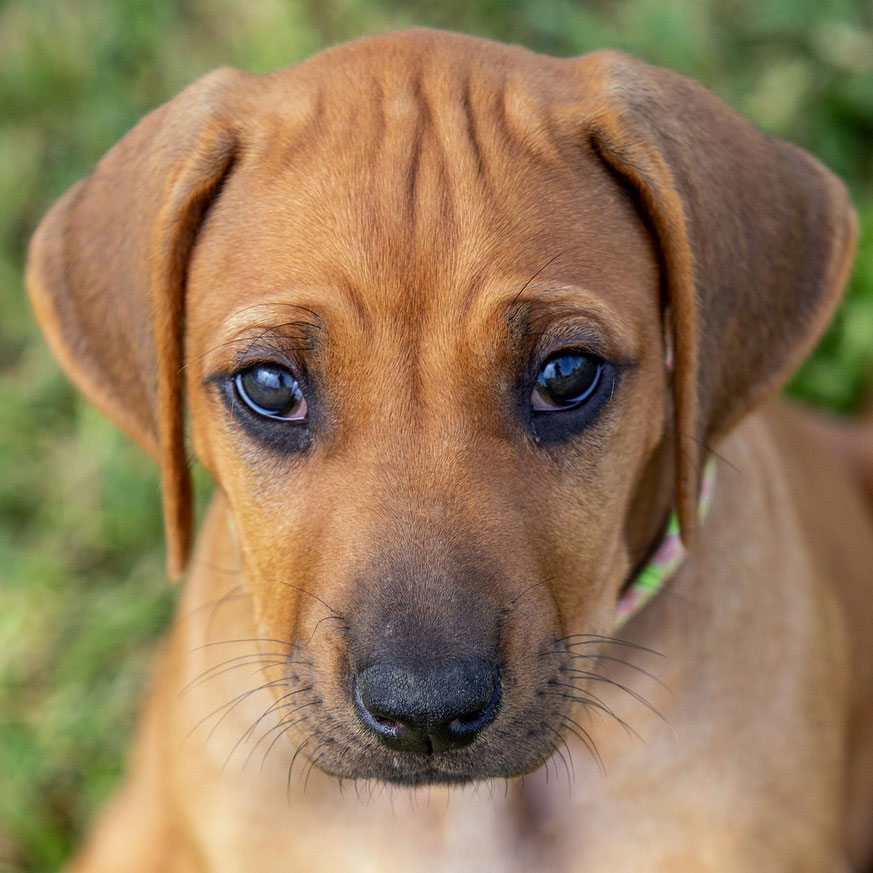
[415,220]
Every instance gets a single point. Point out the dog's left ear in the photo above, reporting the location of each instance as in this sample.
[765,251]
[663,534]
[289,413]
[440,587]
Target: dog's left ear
[756,239]
[106,275]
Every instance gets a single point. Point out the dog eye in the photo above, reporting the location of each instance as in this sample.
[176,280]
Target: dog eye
[272,391]
[565,381]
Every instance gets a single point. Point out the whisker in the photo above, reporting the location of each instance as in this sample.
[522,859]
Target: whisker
[227,712]
[593,703]
[243,640]
[272,708]
[590,639]
[580,656]
[339,765]
[585,738]
[515,600]
[217,568]
[232,704]
[705,445]
[591,700]
[283,727]
[270,658]
[235,593]
[555,751]
[303,591]
[596,677]
[326,618]
[546,264]
[548,760]
[561,739]
[263,665]
[291,765]
[311,763]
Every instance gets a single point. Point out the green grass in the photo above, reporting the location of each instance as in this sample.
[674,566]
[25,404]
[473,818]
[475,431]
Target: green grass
[83,593]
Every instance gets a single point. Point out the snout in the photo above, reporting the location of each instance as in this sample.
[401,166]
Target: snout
[431,706]
[434,674]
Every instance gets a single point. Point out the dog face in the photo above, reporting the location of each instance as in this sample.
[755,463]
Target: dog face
[413,483]
[426,284]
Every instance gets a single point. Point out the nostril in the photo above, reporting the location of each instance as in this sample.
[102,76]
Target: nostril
[473,722]
[387,728]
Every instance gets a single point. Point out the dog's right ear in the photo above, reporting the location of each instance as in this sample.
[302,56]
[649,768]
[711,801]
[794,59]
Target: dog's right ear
[106,274]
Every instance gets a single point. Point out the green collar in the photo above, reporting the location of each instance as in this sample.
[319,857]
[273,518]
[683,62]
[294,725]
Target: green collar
[665,561]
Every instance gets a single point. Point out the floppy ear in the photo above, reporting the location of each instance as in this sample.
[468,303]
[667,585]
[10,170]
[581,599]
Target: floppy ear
[756,239]
[106,275]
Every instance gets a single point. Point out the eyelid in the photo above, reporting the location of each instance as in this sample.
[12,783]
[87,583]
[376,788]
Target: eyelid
[573,348]
[581,342]
[285,344]
[246,363]
[565,333]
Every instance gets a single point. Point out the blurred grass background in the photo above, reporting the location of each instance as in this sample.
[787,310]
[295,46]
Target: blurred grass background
[83,594]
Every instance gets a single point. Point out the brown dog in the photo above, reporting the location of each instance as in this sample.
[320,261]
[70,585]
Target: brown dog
[420,291]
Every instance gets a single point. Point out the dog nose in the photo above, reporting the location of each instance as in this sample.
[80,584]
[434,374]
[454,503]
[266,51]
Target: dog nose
[428,708]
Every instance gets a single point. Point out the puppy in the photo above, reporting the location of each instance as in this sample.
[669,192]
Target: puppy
[461,329]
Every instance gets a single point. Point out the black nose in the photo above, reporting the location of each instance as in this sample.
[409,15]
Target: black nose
[428,708]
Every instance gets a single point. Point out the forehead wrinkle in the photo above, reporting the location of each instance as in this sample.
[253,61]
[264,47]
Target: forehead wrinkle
[421,174]
[434,164]
[428,172]
[429,178]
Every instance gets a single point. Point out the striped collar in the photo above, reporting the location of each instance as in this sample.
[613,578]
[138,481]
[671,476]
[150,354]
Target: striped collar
[666,559]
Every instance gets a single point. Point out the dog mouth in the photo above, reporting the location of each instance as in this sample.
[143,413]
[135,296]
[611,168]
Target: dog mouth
[430,776]
[419,769]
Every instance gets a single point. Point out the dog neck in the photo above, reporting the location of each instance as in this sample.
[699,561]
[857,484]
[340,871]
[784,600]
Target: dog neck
[665,558]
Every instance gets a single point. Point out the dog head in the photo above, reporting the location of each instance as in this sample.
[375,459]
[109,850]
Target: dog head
[420,291]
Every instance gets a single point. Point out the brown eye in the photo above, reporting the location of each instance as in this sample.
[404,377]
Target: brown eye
[565,381]
[272,391]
